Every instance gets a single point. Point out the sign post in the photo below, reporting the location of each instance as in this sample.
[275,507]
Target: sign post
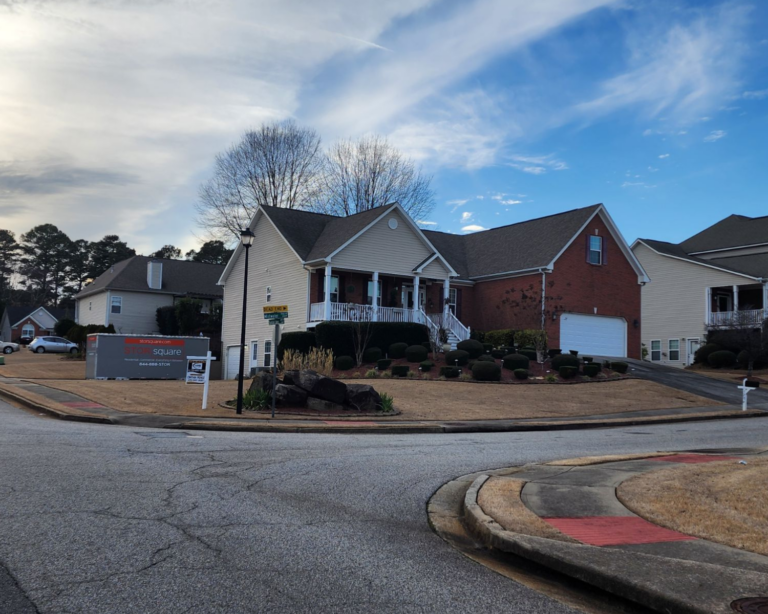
[199,372]
[276,315]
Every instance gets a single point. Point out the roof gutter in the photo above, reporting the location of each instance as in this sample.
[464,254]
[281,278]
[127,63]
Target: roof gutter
[539,269]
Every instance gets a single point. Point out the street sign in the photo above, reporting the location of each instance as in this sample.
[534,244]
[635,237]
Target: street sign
[275,309]
[275,316]
[276,321]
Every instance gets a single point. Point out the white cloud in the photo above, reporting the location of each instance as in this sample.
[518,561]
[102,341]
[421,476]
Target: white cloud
[473,228]
[480,197]
[715,135]
[458,202]
[466,217]
[689,70]
[636,184]
[755,95]
[511,202]
[664,156]
[652,170]
[426,223]
[648,132]
[537,165]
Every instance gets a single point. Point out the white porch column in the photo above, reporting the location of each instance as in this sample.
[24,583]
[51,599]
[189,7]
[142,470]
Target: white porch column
[328,275]
[708,311]
[446,295]
[735,298]
[375,297]
[416,305]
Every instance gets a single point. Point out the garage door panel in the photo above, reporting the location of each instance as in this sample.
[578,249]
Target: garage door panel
[592,334]
[233,362]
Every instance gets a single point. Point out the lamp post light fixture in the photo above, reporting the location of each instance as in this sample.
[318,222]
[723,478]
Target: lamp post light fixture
[246,238]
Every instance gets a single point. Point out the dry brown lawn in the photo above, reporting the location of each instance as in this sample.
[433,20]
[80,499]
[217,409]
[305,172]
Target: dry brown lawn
[417,400]
[724,502]
[28,365]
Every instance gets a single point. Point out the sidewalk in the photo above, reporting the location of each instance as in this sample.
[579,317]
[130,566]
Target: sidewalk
[569,519]
[68,406]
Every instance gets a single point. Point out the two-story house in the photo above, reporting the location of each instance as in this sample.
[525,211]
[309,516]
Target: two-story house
[571,274]
[714,279]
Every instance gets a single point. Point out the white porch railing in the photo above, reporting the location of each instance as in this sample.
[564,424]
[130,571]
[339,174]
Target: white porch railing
[454,325]
[746,317]
[352,312]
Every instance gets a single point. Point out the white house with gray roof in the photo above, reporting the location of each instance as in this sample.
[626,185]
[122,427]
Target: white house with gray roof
[128,294]
[714,279]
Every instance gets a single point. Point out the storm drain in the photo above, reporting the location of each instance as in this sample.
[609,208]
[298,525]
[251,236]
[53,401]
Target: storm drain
[751,605]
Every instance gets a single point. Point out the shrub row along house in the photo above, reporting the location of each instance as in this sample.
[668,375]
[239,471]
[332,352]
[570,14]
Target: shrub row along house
[571,274]
[716,279]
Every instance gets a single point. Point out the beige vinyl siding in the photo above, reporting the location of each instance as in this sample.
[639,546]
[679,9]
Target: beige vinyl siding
[380,248]
[436,270]
[674,302]
[139,311]
[97,314]
[271,263]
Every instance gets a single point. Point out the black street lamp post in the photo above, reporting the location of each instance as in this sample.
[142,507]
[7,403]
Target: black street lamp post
[246,238]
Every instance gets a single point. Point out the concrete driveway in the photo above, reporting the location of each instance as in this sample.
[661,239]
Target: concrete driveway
[718,390]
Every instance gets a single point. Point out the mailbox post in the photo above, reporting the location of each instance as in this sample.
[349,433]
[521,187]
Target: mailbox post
[276,315]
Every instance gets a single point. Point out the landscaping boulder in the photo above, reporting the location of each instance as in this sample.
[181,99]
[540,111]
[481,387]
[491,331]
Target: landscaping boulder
[363,397]
[321,405]
[322,387]
[290,396]
[291,378]
[262,381]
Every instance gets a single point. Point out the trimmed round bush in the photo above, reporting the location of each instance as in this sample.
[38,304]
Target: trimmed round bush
[702,354]
[487,348]
[416,353]
[383,364]
[372,355]
[400,370]
[565,360]
[591,369]
[521,373]
[567,372]
[457,358]
[573,352]
[486,371]
[498,354]
[470,346]
[397,350]
[426,366]
[449,372]
[515,361]
[621,367]
[508,349]
[721,358]
[344,363]
[554,352]
[486,358]
[470,364]
[529,354]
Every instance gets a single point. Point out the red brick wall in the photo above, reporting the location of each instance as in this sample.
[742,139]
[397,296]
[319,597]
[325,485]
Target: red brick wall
[16,330]
[574,286]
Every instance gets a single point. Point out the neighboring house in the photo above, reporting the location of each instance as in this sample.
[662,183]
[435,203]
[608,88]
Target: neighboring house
[130,292]
[380,265]
[717,277]
[29,321]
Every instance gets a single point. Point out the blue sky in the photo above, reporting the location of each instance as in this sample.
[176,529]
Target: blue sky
[111,111]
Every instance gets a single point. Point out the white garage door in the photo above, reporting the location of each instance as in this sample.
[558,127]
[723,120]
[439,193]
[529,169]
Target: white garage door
[233,361]
[593,335]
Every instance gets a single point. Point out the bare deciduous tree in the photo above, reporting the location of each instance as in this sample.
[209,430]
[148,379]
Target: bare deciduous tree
[278,164]
[370,172]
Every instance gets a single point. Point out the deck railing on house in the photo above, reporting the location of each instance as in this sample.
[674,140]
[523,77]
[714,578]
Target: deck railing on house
[745,317]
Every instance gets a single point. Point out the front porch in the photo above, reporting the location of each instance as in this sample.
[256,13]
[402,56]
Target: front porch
[737,306]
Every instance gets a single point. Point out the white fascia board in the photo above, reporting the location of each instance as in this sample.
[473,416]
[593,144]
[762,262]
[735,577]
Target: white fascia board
[642,276]
[426,263]
[709,266]
[728,249]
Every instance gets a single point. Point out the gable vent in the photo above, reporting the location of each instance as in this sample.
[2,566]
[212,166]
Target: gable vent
[155,275]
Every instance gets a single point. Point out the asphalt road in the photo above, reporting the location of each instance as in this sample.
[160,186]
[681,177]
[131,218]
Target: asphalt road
[110,519]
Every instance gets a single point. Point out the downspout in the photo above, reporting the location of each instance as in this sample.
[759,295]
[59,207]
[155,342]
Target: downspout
[543,298]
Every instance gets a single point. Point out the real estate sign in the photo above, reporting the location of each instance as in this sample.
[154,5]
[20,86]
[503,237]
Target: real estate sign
[140,357]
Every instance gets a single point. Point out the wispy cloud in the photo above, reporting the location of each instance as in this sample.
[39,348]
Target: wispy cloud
[664,156]
[715,135]
[473,228]
[755,95]
[537,165]
[636,184]
[466,217]
[426,223]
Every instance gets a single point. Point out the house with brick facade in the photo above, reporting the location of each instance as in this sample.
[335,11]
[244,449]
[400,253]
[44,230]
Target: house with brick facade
[716,279]
[29,322]
[572,274]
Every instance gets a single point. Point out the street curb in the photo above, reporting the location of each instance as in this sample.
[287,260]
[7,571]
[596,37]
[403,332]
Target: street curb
[55,413]
[332,430]
[665,585]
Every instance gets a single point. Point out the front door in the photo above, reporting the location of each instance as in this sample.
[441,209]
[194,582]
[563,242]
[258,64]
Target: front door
[407,297]
[693,345]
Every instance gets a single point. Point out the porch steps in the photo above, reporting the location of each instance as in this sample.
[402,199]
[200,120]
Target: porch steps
[453,340]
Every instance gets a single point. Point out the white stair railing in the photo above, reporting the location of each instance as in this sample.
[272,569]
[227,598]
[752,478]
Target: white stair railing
[454,325]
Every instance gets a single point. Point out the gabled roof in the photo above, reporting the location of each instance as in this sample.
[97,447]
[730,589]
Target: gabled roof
[17,314]
[180,278]
[734,231]
[742,265]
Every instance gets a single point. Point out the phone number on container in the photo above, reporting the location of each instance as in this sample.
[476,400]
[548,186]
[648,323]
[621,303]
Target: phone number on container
[154,364]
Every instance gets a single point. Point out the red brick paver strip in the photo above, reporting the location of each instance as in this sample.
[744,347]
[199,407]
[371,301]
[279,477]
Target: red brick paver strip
[83,405]
[615,530]
[692,458]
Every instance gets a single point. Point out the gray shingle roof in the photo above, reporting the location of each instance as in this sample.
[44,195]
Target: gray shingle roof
[516,247]
[741,264]
[180,278]
[18,313]
[733,231]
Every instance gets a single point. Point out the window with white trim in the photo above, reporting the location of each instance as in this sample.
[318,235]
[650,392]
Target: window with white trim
[369,298]
[595,250]
[116,305]
[269,294]
[254,354]
[674,349]
[335,289]
[452,296]
[267,353]
[27,330]
[656,350]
